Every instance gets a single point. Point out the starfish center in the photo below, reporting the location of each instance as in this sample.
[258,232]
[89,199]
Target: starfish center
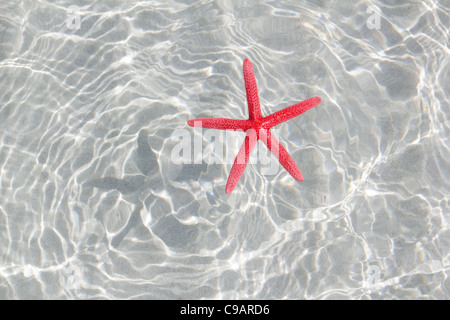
[258,124]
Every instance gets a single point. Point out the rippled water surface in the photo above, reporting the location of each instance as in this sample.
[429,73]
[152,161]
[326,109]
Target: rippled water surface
[93,205]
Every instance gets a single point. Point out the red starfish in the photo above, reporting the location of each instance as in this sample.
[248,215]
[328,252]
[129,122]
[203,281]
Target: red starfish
[257,127]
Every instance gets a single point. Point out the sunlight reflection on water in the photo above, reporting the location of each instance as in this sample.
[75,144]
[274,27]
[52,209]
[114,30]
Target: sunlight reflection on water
[92,205]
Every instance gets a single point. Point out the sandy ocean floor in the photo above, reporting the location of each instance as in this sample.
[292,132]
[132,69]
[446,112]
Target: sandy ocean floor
[94,202]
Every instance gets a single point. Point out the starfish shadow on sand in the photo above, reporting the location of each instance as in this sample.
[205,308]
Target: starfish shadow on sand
[257,128]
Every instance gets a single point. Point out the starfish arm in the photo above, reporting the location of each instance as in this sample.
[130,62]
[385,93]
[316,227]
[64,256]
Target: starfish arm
[254,109]
[281,154]
[220,123]
[290,112]
[241,160]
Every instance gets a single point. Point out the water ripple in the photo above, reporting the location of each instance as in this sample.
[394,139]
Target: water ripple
[93,206]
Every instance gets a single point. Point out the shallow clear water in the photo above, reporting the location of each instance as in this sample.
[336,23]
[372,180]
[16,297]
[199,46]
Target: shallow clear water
[92,204]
